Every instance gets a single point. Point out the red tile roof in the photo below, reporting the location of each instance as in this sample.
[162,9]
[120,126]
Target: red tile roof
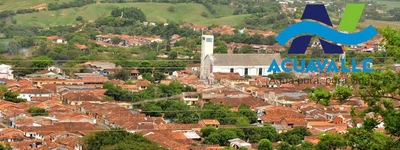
[80,46]
[35,91]
[71,127]
[277,113]
[141,83]
[54,37]
[94,79]
[82,96]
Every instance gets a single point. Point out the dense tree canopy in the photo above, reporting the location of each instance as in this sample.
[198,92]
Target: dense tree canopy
[129,12]
[36,111]
[13,97]
[117,139]
[265,144]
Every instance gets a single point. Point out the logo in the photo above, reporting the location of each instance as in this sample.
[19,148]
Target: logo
[316,21]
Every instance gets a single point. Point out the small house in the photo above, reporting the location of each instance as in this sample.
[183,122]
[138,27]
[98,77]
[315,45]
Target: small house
[190,98]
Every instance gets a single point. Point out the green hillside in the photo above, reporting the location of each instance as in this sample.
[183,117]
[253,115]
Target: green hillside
[158,12]
[22,4]
[380,24]
[390,4]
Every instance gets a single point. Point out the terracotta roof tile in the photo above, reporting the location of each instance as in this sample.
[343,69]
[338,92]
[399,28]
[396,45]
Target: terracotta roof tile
[277,113]
[80,46]
[35,91]
[94,79]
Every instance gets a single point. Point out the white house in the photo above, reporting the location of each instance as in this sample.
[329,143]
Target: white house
[27,94]
[244,64]
[6,72]
[190,98]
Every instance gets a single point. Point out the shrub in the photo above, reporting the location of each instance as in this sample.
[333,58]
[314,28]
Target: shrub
[79,18]
[204,14]
[171,9]
[36,111]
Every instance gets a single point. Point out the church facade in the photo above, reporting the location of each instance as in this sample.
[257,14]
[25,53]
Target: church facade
[244,64]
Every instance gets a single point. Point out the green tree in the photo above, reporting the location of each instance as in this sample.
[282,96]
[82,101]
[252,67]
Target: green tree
[12,97]
[225,136]
[365,139]
[5,147]
[179,113]
[212,139]
[284,146]
[36,111]
[173,55]
[265,144]
[294,139]
[378,90]
[246,112]
[116,40]
[247,49]
[117,139]
[79,18]
[331,142]
[221,49]
[206,131]
[122,75]
[171,9]
[158,76]
[242,121]
[306,146]
[266,132]
[148,76]
[243,148]
[41,62]
[342,93]
[152,110]
[321,96]
[129,12]
[3,89]
[299,131]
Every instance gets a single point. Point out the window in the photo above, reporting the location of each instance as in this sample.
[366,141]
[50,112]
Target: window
[246,71]
[208,39]
[231,70]
[260,71]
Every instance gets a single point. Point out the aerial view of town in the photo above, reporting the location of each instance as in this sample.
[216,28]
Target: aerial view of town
[199,74]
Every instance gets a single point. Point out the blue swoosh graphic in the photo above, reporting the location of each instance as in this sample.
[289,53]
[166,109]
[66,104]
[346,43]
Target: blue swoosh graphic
[314,28]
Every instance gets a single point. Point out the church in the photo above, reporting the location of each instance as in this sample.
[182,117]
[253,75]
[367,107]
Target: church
[244,64]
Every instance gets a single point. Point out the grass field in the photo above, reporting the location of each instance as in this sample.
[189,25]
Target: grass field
[21,4]
[390,4]
[381,24]
[157,12]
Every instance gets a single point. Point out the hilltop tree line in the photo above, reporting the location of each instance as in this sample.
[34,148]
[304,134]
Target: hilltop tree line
[51,6]
[75,3]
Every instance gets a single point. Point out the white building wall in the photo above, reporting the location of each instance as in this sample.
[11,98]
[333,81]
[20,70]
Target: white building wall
[28,96]
[207,47]
[252,70]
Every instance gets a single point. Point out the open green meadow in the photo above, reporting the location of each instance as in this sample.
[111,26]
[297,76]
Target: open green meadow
[23,4]
[157,12]
[390,4]
[380,24]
